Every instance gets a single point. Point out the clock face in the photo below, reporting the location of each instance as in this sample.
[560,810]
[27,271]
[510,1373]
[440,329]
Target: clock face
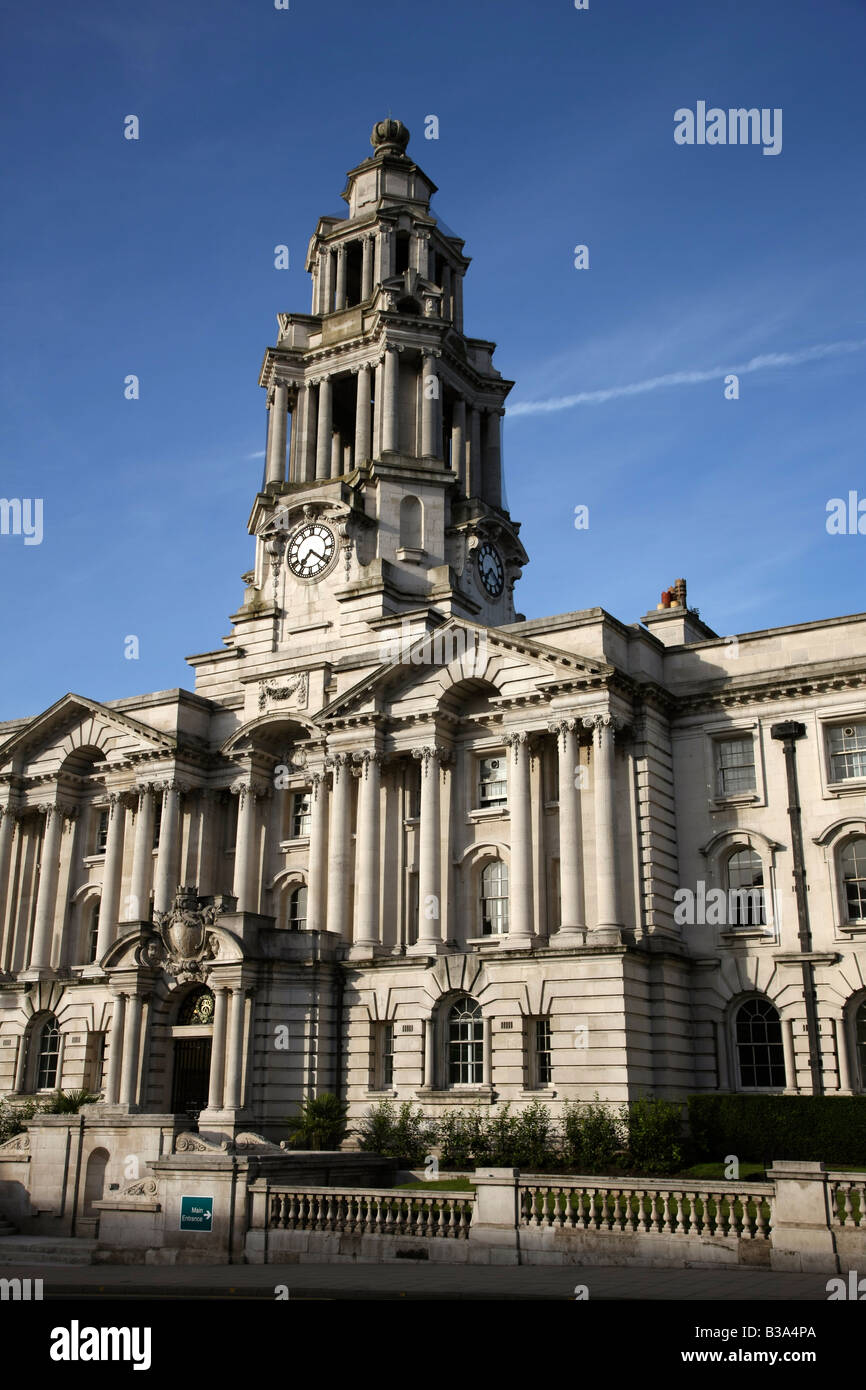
[491,569]
[311,549]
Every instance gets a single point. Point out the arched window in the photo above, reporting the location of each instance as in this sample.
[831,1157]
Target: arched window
[746,906]
[91,937]
[853,862]
[197,1008]
[411,524]
[494,899]
[760,1053]
[47,1054]
[465,1043]
[298,908]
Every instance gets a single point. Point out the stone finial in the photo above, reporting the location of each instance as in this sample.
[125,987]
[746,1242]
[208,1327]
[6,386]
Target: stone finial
[389,137]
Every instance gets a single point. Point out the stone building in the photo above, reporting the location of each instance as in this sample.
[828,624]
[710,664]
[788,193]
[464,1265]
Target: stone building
[403,841]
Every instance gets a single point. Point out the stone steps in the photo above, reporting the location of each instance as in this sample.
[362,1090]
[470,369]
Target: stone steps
[45,1250]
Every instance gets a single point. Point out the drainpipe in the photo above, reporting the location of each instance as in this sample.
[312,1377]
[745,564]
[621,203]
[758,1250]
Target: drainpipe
[787,734]
[338,1025]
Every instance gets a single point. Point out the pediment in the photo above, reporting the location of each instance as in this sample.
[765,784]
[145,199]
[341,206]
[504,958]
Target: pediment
[74,722]
[460,653]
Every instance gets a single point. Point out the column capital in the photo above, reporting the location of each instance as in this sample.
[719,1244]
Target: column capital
[599,722]
[171,784]
[250,787]
[430,752]
[366,757]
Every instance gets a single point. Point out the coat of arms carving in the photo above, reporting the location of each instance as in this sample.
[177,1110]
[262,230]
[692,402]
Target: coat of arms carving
[182,944]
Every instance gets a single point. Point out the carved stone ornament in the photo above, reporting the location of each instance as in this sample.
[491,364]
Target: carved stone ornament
[184,947]
[18,1144]
[143,1187]
[295,688]
[194,1144]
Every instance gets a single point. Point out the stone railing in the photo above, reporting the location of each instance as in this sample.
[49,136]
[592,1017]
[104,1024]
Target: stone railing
[704,1211]
[847,1200]
[371,1212]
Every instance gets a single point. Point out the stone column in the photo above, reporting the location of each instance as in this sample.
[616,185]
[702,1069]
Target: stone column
[277,433]
[458,442]
[457,287]
[112,869]
[218,1051]
[571,922]
[487,1051]
[362,416]
[131,1044]
[367,920]
[307,434]
[446,292]
[493,459]
[7,830]
[378,399]
[367,268]
[46,898]
[429,407]
[520,932]
[336,454]
[391,403]
[339,844]
[340,300]
[421,254]
[316,920]
[608,926]
[245,886]
[474,477]
[235,1059]
[327,295]
[429,854]
[167,855]
[384,257]
[323,433]
[115,1051]
[138,907]
[841,1040]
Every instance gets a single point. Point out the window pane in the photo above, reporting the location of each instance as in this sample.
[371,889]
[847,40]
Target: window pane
[847,751]
[465,1044]
[746,906]
[735,764]
[49,1052]
[853,861]
[759,1045]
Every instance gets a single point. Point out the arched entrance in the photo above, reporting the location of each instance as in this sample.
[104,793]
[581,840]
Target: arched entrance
[192,1049]
[94,1180]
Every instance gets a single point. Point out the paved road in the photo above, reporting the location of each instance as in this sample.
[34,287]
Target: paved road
[426,1282]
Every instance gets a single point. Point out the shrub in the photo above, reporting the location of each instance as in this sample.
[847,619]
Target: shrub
[828,1129]
[655,1141]
[406,1134]
[464,1138]
[320,1123]
[533,1145]
[592,1137]
[67,1102]
[14,1117]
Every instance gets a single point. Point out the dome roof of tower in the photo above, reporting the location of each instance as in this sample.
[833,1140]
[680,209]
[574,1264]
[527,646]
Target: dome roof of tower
[389,137]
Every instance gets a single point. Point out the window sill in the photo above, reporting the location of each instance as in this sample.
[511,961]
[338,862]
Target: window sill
[491,939]
[300,843]
[767,933]
[488,813]
[849,785]
[95,858]
[721,803]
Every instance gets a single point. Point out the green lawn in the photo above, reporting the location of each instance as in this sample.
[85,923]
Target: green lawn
[437,1185]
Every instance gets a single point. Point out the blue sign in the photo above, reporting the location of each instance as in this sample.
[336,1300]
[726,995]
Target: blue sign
[196,1213]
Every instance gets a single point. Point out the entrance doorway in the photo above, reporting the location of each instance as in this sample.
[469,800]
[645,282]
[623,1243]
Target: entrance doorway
[191,1079]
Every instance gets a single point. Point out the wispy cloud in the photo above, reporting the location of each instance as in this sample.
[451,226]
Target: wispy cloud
[690,378]
[258,455]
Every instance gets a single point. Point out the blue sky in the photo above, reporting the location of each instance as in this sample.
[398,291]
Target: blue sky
[556,126]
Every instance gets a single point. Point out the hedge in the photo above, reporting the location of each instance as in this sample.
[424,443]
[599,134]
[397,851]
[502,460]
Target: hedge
[828,1129]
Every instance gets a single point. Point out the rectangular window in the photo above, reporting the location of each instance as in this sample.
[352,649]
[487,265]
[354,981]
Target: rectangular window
[847,752]
[492,785]
[157,821]
[101,832]
[94,1065]
[735,766]
[301,814]
[541,1068]
[384,1069]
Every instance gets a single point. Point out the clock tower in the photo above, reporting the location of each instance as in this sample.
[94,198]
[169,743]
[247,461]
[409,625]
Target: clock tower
[382,498]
